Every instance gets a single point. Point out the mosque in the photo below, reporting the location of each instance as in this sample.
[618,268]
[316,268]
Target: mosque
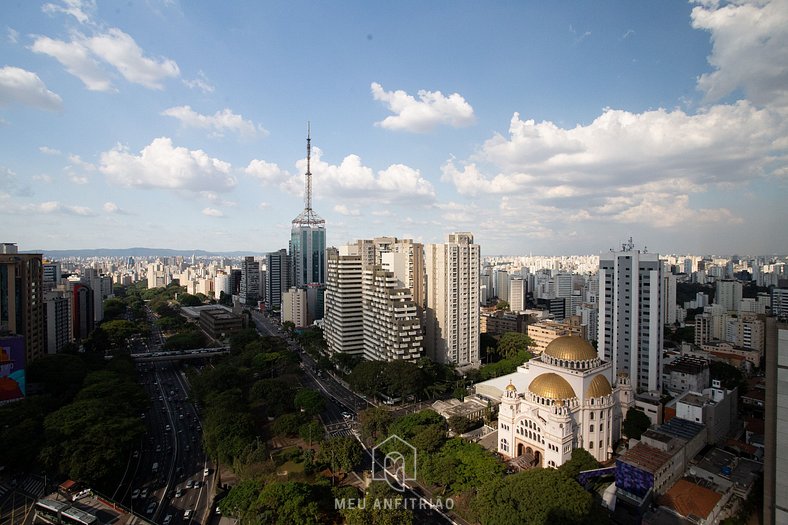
[563,399]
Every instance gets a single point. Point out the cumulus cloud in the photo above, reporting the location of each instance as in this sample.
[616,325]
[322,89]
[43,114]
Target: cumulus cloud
[162,165]
[218,123]
[113,209]
[201,83]
[750,49]
[19,86]
[212,212]
[51,208]
[10,183]
[344,210]
[348,179]
[83,57]
[77,8]
[420,116]
[46,150]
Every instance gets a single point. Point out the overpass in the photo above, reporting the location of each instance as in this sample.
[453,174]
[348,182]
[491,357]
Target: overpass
[197,353]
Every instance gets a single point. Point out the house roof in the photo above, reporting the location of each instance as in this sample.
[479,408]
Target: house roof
[689,499]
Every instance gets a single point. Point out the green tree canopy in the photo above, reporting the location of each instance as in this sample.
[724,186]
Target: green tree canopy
[367,377]
[581,460]
[635,423]
[375,423]
[241,501]
[459,465]
[340,454]
[512,343]
[545,496]
[460,424]
[285,503]
[309,401]
[370,513]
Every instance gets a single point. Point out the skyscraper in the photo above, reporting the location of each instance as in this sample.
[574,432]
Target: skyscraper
[276,275]
[630,315]
[343,321]
[22,298]
[775,482]
[452,316]
[250,281]
[308,237]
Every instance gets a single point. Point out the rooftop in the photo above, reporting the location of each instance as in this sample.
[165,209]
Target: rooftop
[693,399]
[689,499]
[687,365]
[645,457]
[682,428]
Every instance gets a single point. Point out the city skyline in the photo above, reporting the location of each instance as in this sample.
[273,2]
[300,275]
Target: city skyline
[541,128]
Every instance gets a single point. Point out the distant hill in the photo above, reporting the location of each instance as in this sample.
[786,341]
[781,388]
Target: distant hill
[137,252]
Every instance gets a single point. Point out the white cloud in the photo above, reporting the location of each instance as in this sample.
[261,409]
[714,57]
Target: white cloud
[77,162]
[219,122]
[75,8]
[55,207]
[750,49]
[423,115]
[212,212]
[344,210]
[12,35]
[83,55]
[46,179]
[9,182]
[46,150]
[267,172]
[19,86]
[162,165]
[110,207]
[201,83]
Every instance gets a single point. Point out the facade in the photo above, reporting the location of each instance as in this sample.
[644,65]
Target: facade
[57,318]
[715,407]
[518,290]
[22,298]
[686,373]
[219,322]
[250,281]
[728,294]
[294,307]
[630,326]
[500,322]
[544,332]
[567,399]
[391,325]
[452,315]
[775,480]
[276,276]
[82,311]
[343,327]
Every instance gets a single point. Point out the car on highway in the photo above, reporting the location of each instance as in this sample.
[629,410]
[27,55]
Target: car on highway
[135,494]
[151,507]
[187,515]
[189,484]
[346,415]
[179,492]
[144,493]
[167,519]
[206,471]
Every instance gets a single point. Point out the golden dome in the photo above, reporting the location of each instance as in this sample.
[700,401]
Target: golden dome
[599,387]
[551,386]
[510,387]
[570,348]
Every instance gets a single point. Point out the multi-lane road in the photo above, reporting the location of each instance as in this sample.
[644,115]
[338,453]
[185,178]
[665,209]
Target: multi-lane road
[168,479]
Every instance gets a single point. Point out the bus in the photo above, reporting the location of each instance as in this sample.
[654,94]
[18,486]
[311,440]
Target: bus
[61,513]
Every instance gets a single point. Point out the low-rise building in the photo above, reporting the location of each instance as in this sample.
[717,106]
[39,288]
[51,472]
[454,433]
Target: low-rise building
[219,322]
[544,332]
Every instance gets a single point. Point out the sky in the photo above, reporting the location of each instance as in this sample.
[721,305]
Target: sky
[544,128]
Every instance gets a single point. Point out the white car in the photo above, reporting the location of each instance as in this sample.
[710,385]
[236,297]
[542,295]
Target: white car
[205,472]
[167,519]
[135,494]
[151,507]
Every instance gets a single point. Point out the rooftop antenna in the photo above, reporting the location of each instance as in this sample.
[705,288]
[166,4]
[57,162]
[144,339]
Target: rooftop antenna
[308,189]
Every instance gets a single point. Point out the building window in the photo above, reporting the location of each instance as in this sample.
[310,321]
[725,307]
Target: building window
[591,428]
[591,445]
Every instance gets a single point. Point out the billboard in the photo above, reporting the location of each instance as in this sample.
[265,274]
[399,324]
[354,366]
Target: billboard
[12,368]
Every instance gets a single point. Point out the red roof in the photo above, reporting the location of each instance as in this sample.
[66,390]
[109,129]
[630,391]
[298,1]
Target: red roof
[687,498]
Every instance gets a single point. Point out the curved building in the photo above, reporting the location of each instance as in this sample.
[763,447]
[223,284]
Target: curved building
[564,399]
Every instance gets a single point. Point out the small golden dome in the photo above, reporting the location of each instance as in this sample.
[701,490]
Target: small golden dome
[510,387]
[599,387]
[570,348]
[551,386]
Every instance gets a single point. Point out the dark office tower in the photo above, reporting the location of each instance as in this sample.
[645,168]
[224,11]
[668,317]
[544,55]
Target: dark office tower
[277,278]
[250,281]
[308,238]
[82,311]
[234,281]
[22,298]
[630,315]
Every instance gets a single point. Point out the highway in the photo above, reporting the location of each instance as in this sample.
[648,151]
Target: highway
[165,476]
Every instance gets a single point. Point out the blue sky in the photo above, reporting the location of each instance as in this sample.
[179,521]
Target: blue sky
[541,127]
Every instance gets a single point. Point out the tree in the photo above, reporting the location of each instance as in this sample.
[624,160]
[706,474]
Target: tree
[288,424]
[289,502]
[375,423]
[635,423]
[189,300]
[730,376]
[311,432]
[113,309]
[546,496]
[502,305]
[242,499]
[512,343]
[225,299]
[459,465]
[581,460]
[340,454]
[460,424]
[367,377]
[309,401]
[382,506]
[276,394]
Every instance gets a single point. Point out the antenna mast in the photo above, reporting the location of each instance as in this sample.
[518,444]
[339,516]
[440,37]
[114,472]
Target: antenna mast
[308,189]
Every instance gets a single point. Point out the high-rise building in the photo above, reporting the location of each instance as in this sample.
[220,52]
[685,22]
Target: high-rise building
[22,298]
[343,327]
[502,285]
[452,316]
[250,281]
[57,318]
[517,293]
[276,276]
[630,327]
[391,325]
[779,301]
[308,237]
[82,307]
[52,273]
[729,294]
[669,307]
[775,461]
[294,307]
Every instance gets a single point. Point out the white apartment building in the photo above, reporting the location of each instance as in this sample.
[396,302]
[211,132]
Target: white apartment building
[729,294]
[453,300]
[517,294]
[391,325]
[630,326]
[294,307]
[343,327]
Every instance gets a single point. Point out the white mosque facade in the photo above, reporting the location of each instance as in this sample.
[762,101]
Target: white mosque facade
[564,399]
